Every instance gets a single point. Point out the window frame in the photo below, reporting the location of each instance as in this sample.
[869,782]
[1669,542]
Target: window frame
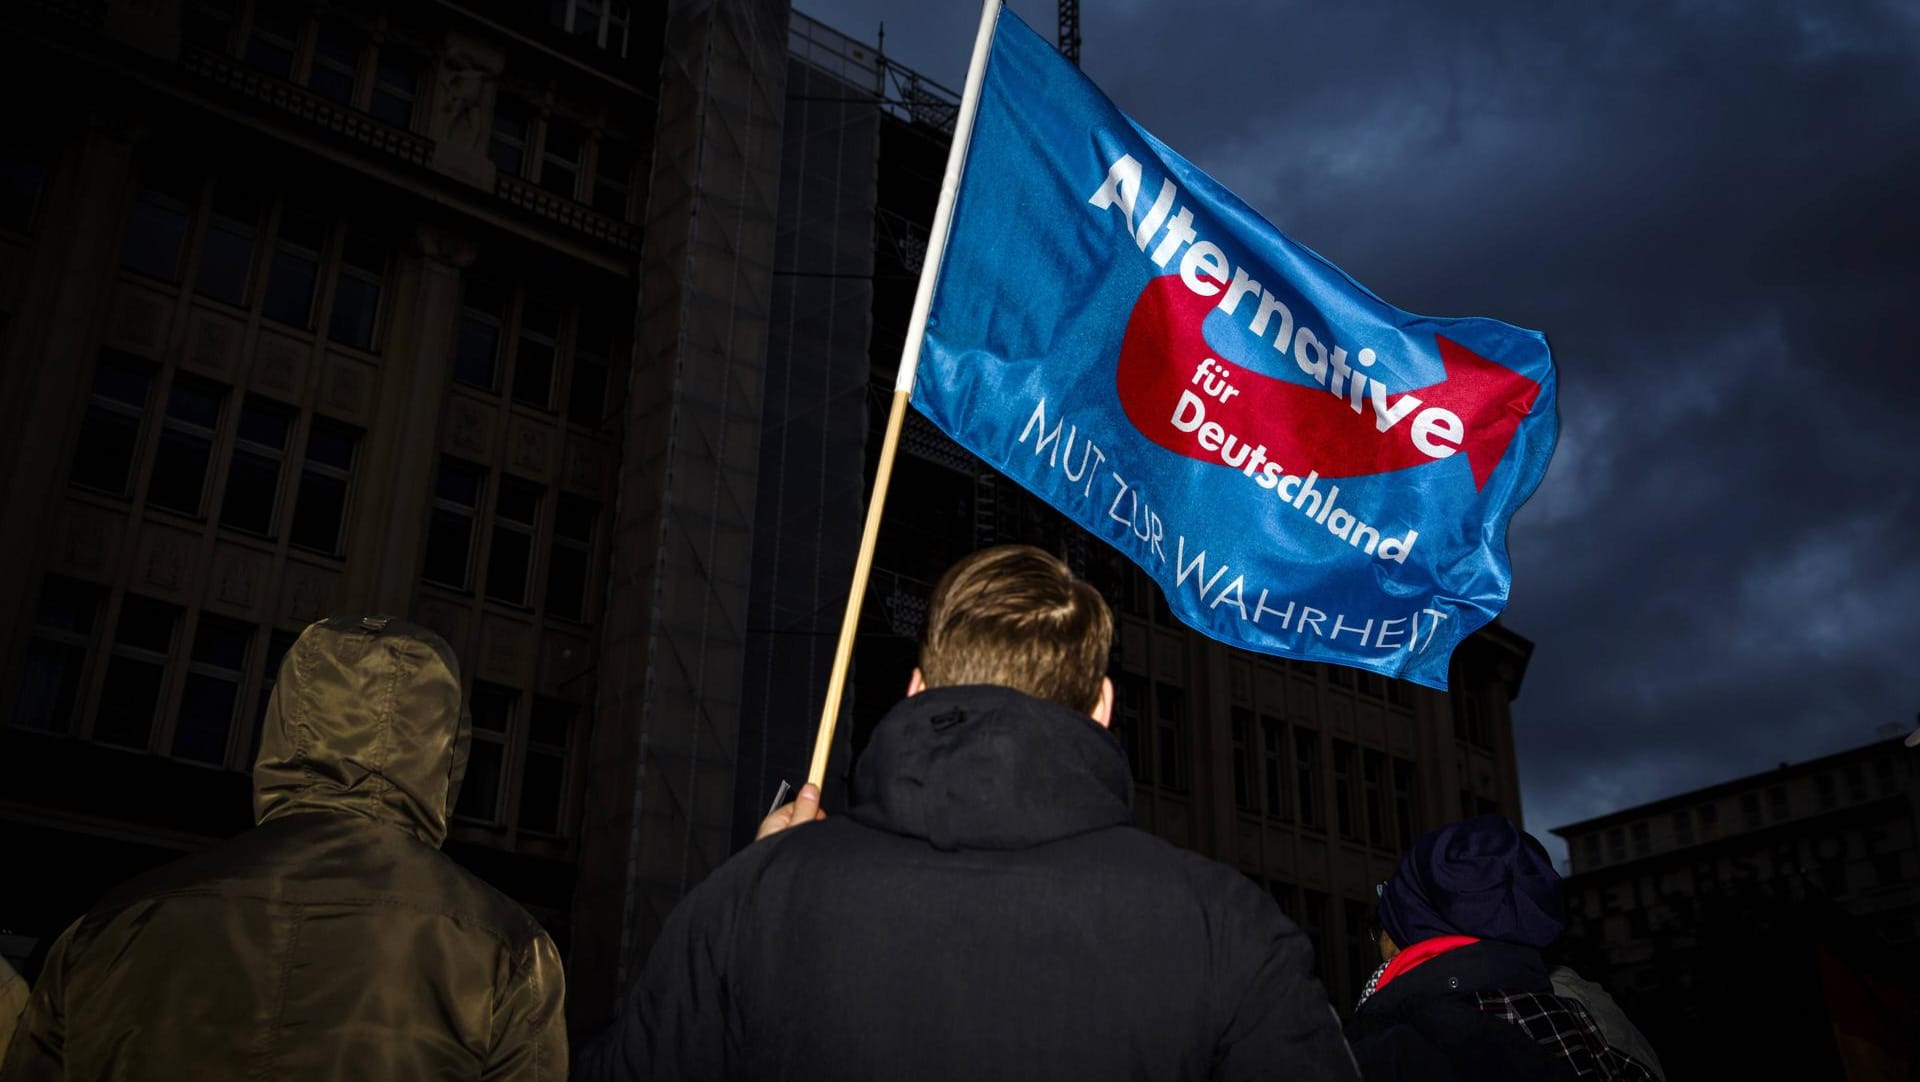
[351,435]
[86,642]
[187,429]
[242,444]
[472,514]
[158,721]
[198,665]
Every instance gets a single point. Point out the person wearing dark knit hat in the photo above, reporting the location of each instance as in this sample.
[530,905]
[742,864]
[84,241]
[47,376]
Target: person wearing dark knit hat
[1462,992]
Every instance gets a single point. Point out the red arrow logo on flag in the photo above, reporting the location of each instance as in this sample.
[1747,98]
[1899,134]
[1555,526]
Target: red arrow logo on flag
[1168,373]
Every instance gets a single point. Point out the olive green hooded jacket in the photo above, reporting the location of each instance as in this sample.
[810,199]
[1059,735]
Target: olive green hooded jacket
[333,941]
[13,999]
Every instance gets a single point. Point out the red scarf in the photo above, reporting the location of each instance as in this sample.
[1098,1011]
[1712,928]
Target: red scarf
[1419,954]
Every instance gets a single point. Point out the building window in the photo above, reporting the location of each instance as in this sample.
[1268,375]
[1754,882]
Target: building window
[1642,838]
[1244,784]
[512,123]
[1339,676]
[143,644]
[1750,810]
[156,235]
[326,480]
[570,562]
[1343,791]
[1399,693]
[336,63]
[1403,781]
[476,355]
[593,344]
[212,693]
[1709,816]
[1590,846]
[1129,723]
[533,360]
[396,88]
[1856,775]
[63,625]
[613,177]
[1823,784]
[560,158]
[296,268]
[1373,782]
[1136,591]
[1616,844]
[228,245]
[1777,802]
[1273,763]
[1683,827]
[543,776]
[253,475]
[180,463]
[450,529]
[273,42]
[356,291]
[604,23]
[1306,774]
[1885,776]
[208,24]
[110,434]
[492,709]
[516,519]
[1470,720]
[1170,736]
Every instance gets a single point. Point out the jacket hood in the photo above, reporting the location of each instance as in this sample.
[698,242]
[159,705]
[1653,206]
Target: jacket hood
[983,767]
[1482,877]
[365,719]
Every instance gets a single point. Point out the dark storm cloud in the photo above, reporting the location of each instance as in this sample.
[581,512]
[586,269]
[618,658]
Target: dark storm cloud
[1712,209]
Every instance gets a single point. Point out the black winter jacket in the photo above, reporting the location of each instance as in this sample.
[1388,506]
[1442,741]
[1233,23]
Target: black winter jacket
[985,910]
[1430,1024]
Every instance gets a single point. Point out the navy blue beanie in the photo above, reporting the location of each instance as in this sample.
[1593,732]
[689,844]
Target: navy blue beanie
[1482,877]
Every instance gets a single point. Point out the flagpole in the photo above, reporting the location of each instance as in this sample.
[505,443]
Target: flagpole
[903,384]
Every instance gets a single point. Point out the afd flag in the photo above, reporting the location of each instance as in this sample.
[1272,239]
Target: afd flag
[1303,468]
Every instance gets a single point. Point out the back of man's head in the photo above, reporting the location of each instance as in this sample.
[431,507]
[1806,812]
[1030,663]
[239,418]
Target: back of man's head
[1015,616]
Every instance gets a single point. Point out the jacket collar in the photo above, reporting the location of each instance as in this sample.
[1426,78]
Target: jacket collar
[1424,951]
[1476,966]
[984,767]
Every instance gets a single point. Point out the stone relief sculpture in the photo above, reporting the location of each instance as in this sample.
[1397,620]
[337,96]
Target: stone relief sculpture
[461,99]
[463,92]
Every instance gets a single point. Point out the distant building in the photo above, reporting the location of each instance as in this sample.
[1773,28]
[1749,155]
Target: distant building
[1753,906]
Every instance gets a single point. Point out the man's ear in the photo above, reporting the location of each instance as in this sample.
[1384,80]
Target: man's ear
[1103,710]
[916,683]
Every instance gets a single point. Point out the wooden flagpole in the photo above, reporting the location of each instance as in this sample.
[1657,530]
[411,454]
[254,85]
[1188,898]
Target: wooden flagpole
[903,385]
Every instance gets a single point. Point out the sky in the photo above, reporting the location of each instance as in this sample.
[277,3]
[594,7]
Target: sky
[1713,211]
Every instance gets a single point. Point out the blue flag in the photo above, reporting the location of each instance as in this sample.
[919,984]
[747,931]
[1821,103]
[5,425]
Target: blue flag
[1304,469]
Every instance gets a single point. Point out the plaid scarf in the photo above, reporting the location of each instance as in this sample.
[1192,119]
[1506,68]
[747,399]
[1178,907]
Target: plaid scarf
[1563,1027]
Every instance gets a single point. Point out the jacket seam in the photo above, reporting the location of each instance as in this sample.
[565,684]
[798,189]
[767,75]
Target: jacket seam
[262,1067]
[470,922]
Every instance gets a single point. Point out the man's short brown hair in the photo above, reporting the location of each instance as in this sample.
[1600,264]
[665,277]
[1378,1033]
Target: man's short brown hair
[1015,616]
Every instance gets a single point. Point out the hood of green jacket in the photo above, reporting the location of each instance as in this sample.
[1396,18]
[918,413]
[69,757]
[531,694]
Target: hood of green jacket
[365,719]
